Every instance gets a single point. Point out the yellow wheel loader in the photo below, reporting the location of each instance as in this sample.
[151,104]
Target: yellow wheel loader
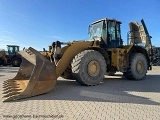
[86,61]
[11,56]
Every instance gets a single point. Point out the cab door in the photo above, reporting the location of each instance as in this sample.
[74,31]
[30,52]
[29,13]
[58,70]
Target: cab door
[113,35]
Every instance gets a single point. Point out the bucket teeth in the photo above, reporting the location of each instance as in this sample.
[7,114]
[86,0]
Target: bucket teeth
[11,94]
[14,97]
[11,90]
[8,88]
[10,81]
[31,78]
[11,85]
[5,84]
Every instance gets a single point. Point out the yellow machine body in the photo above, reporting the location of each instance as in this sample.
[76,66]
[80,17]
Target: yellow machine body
[89,61]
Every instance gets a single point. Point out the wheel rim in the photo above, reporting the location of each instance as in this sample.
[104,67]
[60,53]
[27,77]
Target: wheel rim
[93,68]
[140,67]
[15,62]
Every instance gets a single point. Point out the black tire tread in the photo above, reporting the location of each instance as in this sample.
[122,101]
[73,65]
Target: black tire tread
[19,60]
[129,74]
[77,62]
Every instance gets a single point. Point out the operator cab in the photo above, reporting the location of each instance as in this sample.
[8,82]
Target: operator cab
[12,49]
[108,30]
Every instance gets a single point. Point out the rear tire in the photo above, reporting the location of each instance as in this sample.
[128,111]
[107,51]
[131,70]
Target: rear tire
[89,67]
[137,67]
[16,62]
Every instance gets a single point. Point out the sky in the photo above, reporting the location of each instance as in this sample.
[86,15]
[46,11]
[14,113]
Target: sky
[38,23]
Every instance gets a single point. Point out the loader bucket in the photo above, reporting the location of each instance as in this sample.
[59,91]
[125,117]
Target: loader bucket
[36,76]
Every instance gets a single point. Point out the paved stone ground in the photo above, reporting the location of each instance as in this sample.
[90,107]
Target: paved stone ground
[115,99]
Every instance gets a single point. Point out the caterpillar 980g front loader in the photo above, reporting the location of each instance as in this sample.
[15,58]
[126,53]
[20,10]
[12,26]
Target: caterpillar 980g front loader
[86,61]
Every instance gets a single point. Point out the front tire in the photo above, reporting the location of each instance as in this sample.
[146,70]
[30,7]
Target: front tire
[89,67]
[16,62]
[137,67]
